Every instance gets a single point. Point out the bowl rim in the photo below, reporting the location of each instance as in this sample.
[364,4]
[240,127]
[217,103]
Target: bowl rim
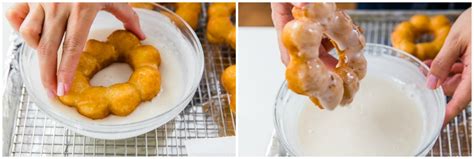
[138,125]
[422,148]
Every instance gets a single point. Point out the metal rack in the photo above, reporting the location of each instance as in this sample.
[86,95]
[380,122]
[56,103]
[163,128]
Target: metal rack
[455,138]
[207,116]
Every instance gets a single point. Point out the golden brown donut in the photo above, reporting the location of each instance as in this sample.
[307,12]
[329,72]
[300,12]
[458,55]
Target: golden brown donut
[93,103]
[123,41]
[406,33]
[220,28]
[79,84]
[97,102]
[147,81]
[190,12]
[143,5]
[420,22]
[123,98]
[145,55]
[228,80]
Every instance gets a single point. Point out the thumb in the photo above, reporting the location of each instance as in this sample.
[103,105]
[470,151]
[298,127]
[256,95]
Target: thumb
[299,4]
[441,65]
[125,13]
[281,14]
[16,14]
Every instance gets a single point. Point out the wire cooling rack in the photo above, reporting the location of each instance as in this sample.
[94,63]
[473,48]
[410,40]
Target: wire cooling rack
[207,116]
[455,138]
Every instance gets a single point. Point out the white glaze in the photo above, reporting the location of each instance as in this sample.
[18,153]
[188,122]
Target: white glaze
[384,119]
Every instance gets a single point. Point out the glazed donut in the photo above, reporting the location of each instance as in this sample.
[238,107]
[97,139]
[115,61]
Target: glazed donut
[190,12]
[406,33]
[306,73]
[220,28]
[97,102]
[228,80]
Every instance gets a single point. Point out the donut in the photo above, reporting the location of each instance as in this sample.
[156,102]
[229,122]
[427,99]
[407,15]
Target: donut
[121,99]
[220,29]
[143,5]
[306,73]
[406,33]
[228,79]
[190,12]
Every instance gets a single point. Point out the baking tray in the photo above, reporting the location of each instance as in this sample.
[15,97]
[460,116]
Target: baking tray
[29,132]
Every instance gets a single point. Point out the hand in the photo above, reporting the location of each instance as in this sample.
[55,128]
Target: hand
[451,68]
[281,14]
[43,26]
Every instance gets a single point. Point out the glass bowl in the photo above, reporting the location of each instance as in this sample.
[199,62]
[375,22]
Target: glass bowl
[181,71]
[408,69]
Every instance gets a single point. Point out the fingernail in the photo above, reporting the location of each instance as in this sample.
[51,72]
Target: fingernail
[60,89]
[432,81]
[66,88]
[50,94]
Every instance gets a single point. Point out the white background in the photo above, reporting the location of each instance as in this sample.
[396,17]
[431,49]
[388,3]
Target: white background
[260,75]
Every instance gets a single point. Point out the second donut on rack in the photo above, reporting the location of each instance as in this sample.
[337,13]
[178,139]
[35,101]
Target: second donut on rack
[406,34]
[190,12]
[228,79]
[220,28]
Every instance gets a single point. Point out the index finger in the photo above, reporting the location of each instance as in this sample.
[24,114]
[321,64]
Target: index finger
[79,22]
